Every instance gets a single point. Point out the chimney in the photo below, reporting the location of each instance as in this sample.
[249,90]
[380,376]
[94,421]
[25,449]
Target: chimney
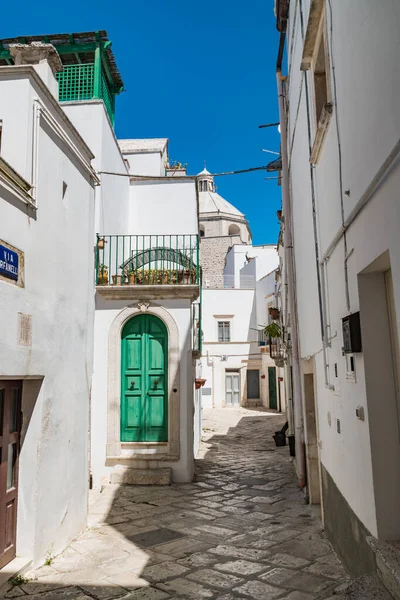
[44,58]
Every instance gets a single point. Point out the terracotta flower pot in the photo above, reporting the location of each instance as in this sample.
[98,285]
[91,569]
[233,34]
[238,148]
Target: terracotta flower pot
[199,383]
[132,278]
[275,313]
[117,279]
[102,278]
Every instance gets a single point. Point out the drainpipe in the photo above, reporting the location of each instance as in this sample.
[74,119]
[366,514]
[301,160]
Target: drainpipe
[288,244]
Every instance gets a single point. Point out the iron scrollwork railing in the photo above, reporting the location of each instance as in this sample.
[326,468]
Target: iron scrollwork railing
[147,260]
[276,351]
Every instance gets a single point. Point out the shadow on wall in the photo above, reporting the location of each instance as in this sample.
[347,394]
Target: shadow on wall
[142,538]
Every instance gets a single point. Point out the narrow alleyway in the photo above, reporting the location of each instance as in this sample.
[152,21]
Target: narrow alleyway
[241,530]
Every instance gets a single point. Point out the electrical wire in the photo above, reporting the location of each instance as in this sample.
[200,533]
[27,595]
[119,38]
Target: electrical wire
[158,177]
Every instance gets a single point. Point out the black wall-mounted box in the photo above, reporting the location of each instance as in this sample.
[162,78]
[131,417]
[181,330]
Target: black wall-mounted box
[351,329]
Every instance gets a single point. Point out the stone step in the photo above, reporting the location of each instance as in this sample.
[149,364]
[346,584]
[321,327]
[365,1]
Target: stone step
[367,587]
[132,476]
[387,564]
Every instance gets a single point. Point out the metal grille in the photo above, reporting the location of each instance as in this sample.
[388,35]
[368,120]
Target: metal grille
[108,97]
[75,82]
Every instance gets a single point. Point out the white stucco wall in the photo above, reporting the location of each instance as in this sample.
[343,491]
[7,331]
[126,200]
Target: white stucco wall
[106,312]
[146,163]
[113,196]
[365,46]
[163,207]
[58,294]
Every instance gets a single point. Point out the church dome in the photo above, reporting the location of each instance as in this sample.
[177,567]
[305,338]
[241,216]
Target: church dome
[210,201]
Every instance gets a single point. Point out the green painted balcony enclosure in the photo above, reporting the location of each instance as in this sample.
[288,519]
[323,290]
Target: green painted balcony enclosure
[90,71]
[147,260]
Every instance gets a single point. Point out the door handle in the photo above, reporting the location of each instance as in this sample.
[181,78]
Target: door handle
[132,385]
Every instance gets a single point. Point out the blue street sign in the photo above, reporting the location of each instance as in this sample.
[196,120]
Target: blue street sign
[8,263]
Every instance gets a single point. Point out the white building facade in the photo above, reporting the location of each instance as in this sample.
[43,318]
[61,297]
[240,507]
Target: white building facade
[47,203]
[341,168]
[235,357]
[99,292]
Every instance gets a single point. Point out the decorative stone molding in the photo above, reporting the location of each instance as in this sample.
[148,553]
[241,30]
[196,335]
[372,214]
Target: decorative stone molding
[34,53]
[127,453]
[148,292]
[143,306]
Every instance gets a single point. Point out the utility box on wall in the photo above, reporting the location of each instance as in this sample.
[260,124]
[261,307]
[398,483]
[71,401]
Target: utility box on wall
[351,329]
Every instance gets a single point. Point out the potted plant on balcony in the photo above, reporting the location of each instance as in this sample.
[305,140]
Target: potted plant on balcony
[102,274]
[153,276]
[132,277]
[180,276]
[199,383]
[117,279]
[273,330]
[100,243]
[274,312]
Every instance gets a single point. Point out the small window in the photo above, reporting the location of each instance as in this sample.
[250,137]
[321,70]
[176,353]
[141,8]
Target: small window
[320,78]
[234,229]
[224,331]
[316,59]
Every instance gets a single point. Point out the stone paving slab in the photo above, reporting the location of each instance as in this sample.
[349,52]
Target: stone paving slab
[240,530]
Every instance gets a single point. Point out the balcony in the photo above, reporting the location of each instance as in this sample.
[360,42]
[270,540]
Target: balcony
[276,351]
[77,83]
[152,266]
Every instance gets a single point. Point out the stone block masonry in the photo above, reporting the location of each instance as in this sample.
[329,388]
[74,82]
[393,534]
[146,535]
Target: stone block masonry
[213,252]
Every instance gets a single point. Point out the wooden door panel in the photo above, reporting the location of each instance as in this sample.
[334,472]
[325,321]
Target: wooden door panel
[272,388]
[236,390]
[144,380]
[228,390]
[156,412]
[253,383]
[133,354]
[10,427]
[10,519]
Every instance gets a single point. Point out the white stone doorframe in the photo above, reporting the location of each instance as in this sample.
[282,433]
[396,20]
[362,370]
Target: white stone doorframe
[126,452]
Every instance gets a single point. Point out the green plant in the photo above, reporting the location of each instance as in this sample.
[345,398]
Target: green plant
[273,330]
[174,164]
[18,580]
[49,557]
[102,267]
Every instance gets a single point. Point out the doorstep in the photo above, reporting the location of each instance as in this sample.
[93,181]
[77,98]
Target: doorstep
[16,567]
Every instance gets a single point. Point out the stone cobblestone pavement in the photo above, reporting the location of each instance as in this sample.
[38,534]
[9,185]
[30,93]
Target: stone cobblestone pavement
[240,530]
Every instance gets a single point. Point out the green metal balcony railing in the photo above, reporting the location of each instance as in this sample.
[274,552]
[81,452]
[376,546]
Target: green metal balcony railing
[79,82]
[147,260]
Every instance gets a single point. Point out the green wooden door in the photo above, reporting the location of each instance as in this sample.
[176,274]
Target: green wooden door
[272,387]
[144,380]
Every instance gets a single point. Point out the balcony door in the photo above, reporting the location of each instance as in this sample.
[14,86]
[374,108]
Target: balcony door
[10,428]
[144,380]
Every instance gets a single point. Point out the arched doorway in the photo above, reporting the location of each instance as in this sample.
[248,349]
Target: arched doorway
[144,380]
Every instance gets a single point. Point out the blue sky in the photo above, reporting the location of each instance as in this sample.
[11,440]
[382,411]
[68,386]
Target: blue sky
[200,73]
